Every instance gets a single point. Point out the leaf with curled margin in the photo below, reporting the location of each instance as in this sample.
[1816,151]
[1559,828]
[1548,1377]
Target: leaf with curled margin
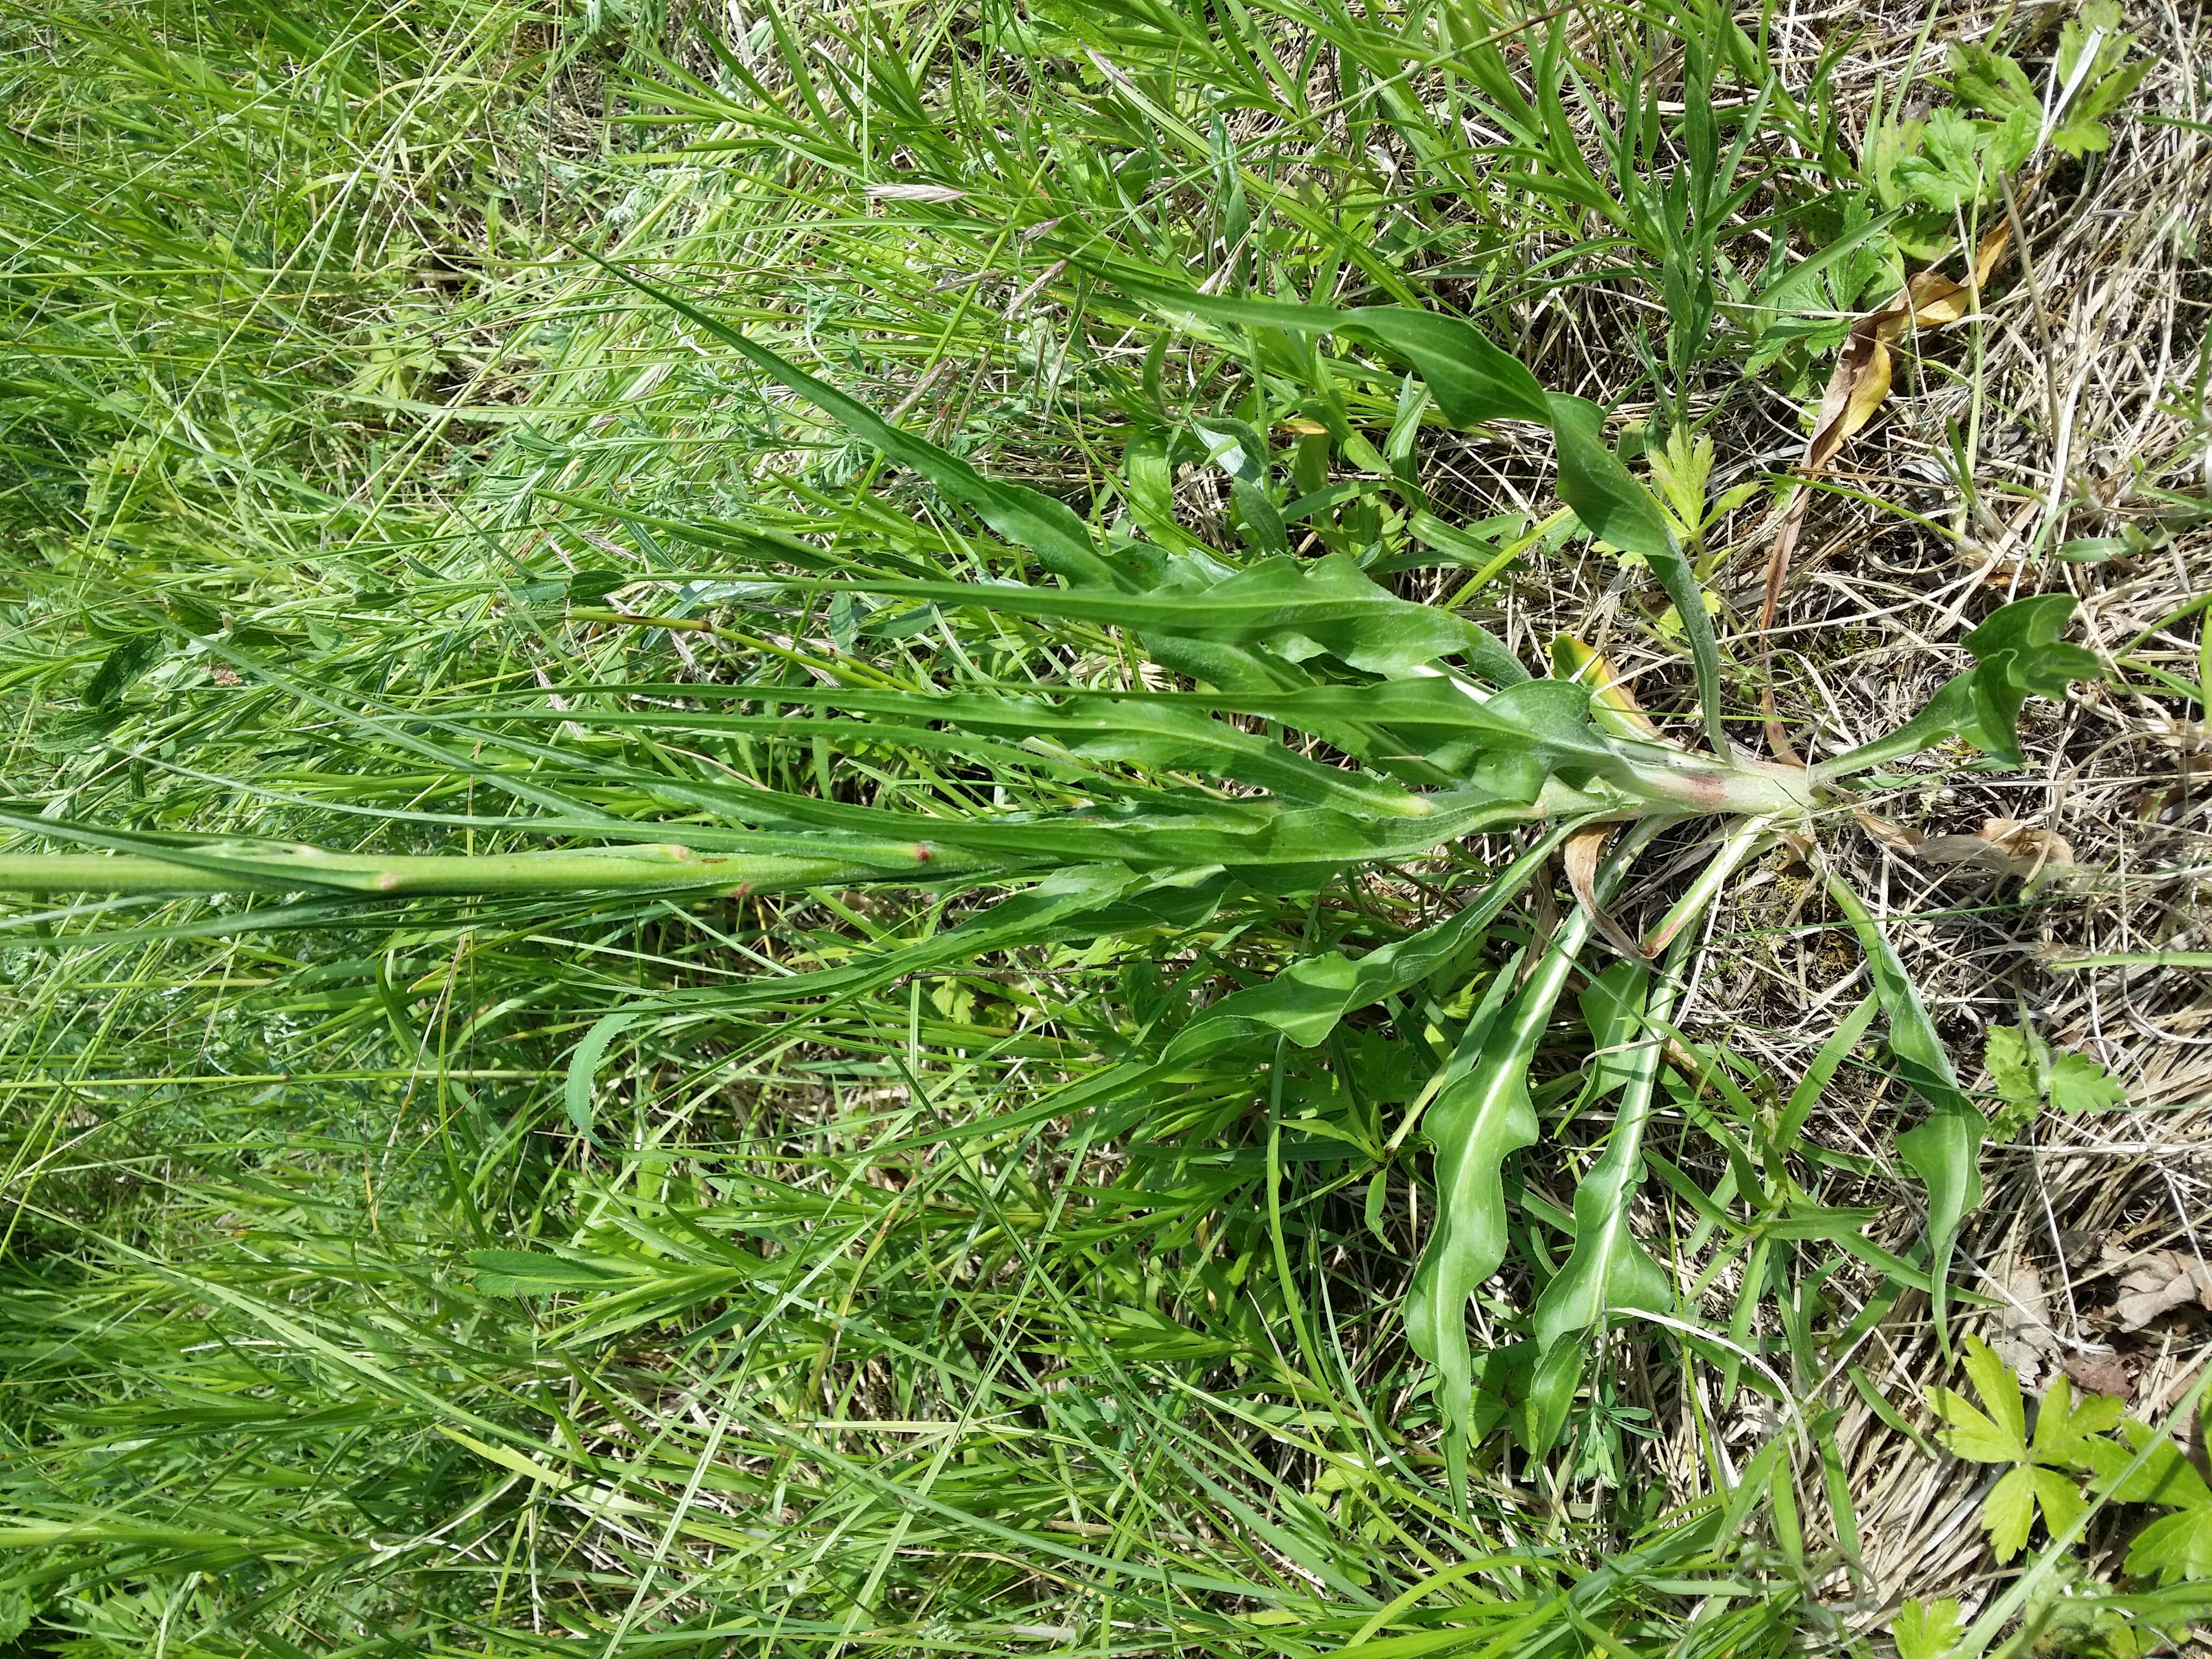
[1607,1271]
[1480,1114]
[1472,381]
[1945,1151]
[2018,655]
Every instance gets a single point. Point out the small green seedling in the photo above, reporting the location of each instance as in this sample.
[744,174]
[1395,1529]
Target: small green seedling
[2089,77]
[1926,1630]
[2028,1075]
[1681,470]
[2177,1545]
[1959,159]
[2041,1476]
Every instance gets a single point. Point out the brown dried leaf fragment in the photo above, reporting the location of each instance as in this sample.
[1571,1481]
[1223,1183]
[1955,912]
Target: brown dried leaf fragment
[2005,846]
[1860,382]
[2100,1373]
[1580,856]
[2158,1282]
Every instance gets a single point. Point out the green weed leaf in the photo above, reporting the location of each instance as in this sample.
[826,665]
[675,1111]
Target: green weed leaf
[1945,1150]
[2026,1076]
[1481,1115]
[535,1273]
[2063,1426]
[1306,1001]
[1479,1118]
[1472,381]
[584,1062]
[2102,84]
[1999,1392]
[2009,1510]
[2173,1547]
[122,668]
[2008,1054]
[1027,518]
[2029,1076]
[2078,1084]
[2166,1476]
[2068,1438]
[1297,608]
[1613,508]
[1991,81]
[1961,160]
[2017,654]
[1926,1630]
[1607,1271]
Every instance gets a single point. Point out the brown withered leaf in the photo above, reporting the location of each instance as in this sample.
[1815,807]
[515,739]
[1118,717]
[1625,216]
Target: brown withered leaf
[2100,1373]
[2025,1341]
[2005,846]
[2032,848]
[2158,1282]
[1887,832]
[1580,857]
[1856,389]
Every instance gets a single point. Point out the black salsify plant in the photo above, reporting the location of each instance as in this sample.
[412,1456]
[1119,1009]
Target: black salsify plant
[1444,734]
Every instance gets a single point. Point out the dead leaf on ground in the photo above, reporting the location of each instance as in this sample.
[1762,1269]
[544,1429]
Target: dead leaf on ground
[2158,1282]
[2189,770]
[2100,1373]
[2082,1247]
[2025,1341]
[1887,832]
[1580,856]
[2006,847]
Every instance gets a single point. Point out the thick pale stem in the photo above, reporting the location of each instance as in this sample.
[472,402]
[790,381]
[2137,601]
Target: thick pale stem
[1754,789]
[649,869]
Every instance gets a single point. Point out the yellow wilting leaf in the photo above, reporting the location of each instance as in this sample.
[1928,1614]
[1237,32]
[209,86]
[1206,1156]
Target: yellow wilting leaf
[1613,705]
[1855,390]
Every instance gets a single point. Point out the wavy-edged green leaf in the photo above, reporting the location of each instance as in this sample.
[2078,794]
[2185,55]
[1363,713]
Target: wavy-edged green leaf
[2018,655]
[1614,508]
[1479,1118]
[1613,1007]
[1473,381]
[1544,722]
[1298,608]
[1607,1271]
[1078,902]
[1306,1001]
[584,1063]
[1027,518]
[1481,1115]
[1945,1151]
